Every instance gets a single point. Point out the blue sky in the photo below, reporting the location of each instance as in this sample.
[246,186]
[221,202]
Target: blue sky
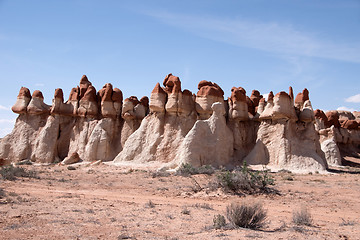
[258,44]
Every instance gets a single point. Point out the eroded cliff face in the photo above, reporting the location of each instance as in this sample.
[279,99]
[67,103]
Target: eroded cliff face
[176,126]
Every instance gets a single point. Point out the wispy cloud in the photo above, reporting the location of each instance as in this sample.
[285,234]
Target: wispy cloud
[39,84]
[267,36]
[12,121]
[353,99]
[4,108]
[343,108]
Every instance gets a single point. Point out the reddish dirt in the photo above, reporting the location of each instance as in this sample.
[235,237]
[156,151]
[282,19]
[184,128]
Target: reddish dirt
[106,202]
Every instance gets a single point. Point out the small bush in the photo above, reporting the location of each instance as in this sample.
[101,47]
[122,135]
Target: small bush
[160,174]
[202,205]
[347,222]
[246,215]
[244,180]
[2,193]
[302,217]
[187,169]
[185,211]
[219,221]
[150,204]
[11,173]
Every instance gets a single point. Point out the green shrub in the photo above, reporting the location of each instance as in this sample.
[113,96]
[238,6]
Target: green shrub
[186,169]
[12,173]
[244,180]
[246,215]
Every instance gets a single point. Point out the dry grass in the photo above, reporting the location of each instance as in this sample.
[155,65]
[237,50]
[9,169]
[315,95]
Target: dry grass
[11,173]
[219,221]
[302,217]
[246,215]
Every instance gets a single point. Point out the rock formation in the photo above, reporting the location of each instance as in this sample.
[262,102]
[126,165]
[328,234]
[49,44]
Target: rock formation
[176,126]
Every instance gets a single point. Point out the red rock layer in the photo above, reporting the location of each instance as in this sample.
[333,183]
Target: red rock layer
[207,88]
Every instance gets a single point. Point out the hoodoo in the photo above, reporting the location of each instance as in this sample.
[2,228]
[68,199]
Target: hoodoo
[176,126]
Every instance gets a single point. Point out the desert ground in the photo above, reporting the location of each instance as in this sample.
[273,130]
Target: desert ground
[108,202]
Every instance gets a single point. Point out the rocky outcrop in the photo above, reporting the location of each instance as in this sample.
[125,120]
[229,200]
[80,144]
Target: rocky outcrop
[22,101]
[208,94]
[238,107]
[209,142]
[89,123]
[172,115]
[175,126]
[286,144]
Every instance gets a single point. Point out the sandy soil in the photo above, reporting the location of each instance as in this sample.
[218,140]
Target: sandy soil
[107,202]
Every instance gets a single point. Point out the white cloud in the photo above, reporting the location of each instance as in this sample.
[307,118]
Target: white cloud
[12,121]
[353,99]
[265,95]
[4,108]
[343,108]
[266,36]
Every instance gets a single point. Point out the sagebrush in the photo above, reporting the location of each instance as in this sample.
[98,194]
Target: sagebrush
[244,180]
[187,169]
[246,215]
[302,217]
[12,173]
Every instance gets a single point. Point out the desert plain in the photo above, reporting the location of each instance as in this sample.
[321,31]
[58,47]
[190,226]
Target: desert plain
[109,202]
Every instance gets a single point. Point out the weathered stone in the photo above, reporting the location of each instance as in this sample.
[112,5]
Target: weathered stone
[37,105]
[208,94]
[238,107]
[22,101]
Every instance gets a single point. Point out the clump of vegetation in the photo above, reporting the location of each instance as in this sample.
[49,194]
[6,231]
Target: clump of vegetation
[244,180]
[219,221]
[202,205]
[160,173]
[246,215]
[150,204]
[2,193]
[185,211]
[11,173]
[302,217]
[347,222]
[186,169]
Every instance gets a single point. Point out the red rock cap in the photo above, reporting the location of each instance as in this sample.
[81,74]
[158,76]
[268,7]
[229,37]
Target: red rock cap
[291,93]
[207,88]
[158,89]
[59,94]
[282,93]
[255,97]
[271,96]
[333,118]
[106,92]
[84,84]
[74,94]
[238,94]
[350,124]
[251,106]
[117,95]
[302,97]
[37,94]
[187,92]
[24,92]
[172,84]
[132,99]
[144,101]
[90,94]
